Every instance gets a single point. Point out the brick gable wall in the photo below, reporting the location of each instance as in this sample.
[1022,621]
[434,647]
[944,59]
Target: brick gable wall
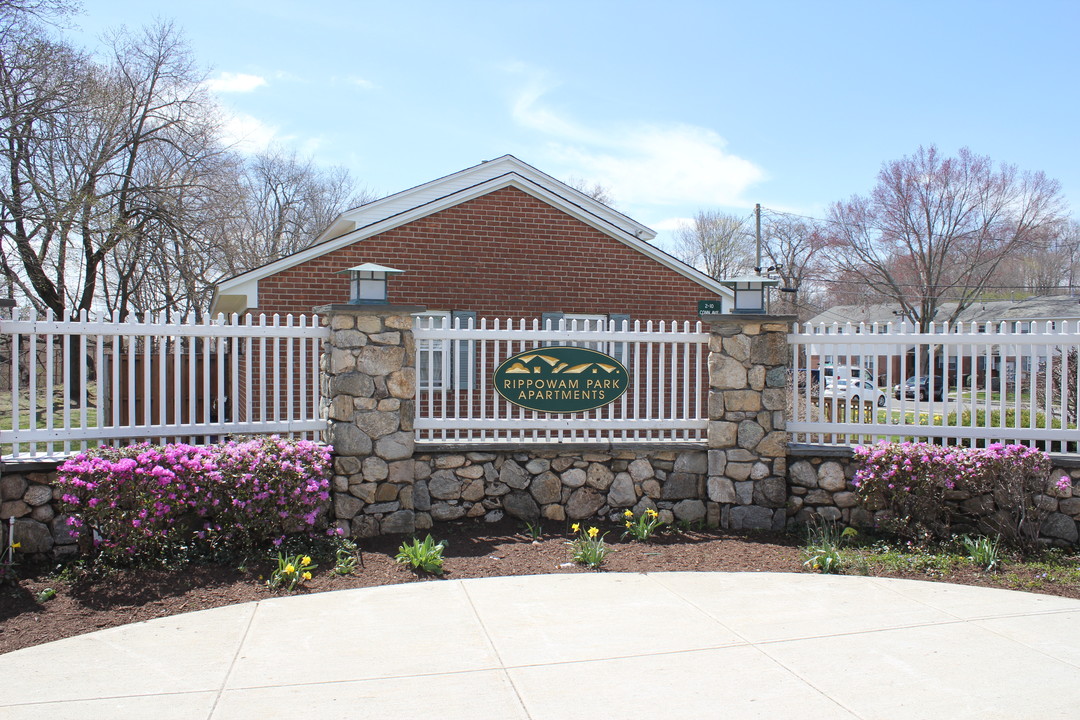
[505,254]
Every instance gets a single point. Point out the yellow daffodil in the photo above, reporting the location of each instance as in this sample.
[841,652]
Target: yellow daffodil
[652,512]
[629,524]
[629,513]
[305,561]
[307,576]
[16,545]
[289,569]
[575,527]
[592,532]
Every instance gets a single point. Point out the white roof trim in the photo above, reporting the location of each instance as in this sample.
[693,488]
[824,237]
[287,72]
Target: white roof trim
[405,207]
[421,194]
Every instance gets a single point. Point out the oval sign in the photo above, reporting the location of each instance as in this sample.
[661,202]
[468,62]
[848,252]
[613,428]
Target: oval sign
[561,379]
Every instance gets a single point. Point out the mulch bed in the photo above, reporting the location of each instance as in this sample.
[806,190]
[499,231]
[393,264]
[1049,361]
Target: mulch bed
[475,550]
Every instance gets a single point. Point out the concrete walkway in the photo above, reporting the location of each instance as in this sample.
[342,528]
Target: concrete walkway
[595,646]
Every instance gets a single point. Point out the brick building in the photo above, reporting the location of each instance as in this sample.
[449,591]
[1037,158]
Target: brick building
[497,240]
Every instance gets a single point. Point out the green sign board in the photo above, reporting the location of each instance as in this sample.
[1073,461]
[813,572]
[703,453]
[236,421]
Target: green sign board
[561,379]
[710,307]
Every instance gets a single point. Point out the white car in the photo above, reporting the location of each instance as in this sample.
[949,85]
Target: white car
[854,391]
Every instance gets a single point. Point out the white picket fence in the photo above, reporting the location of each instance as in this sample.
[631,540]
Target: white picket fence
[666,402]
[82,383]
[997,382]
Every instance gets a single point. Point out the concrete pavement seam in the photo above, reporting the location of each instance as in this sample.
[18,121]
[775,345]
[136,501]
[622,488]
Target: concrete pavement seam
[176,693]
[491,644]
[978,622]
[893,588]
[756,647]
[232,664]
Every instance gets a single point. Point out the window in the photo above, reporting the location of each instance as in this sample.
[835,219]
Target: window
[432,361]
[445,364]
[592,322]
[586,323]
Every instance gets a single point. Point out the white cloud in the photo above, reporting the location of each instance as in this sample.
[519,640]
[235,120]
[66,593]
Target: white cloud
[670,224]
[362,83]
[228,82]
[527,110]
[642,164]
[248,134]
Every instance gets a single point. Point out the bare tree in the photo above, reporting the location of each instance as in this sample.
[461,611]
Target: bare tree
[1046,266]
[282,204]
[598,192]
[936,229]
[43,86]
[794,247]
[84,152]
[718,244]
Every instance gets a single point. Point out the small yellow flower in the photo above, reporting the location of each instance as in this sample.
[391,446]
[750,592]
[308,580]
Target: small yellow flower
[629,524]
[16,545]
[592,532]
[306,576]
[652,512]
[289,569]
[575,527]
[305,561]
[629,513]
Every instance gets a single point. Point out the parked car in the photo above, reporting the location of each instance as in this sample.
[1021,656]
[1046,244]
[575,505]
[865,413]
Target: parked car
[844,372]
[920,387]
[854,391]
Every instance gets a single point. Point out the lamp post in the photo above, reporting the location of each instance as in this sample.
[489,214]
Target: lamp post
[749,293]
[368,283]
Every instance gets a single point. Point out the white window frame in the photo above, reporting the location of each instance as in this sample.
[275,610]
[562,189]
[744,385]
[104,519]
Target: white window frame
[432,352]
[444,358]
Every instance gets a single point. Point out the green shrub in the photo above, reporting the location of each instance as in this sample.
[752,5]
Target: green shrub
[154,504]
[426,555]
[982,551]
[588,548]
[822,551]
[913,482]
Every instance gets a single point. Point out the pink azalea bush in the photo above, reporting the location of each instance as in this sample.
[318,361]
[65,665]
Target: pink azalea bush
[143,501]
[915,480]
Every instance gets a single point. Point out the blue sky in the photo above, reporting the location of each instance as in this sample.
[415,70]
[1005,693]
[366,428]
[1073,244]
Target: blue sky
[675,106]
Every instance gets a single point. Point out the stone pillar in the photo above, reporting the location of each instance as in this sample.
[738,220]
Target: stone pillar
[368,386]
[748,391]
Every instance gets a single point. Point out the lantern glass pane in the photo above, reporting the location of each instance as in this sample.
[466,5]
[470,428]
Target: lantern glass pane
[371,290]
[749,299]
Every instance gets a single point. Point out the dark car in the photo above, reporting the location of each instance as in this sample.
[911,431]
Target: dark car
[920,387]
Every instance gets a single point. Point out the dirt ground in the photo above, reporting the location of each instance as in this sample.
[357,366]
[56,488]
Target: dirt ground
[88,603]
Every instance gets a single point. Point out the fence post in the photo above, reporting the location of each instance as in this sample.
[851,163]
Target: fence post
[748,391]
[368,383]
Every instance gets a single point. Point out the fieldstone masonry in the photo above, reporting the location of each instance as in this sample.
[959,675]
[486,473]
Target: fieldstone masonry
[819,486]
[748,390]
[561,485]
[368,385]
[381,486]
[27,498]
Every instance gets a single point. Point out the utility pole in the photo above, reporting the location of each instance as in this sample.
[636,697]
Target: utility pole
[757,235]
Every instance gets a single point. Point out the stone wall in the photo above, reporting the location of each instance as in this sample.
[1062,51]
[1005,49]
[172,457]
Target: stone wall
[382,486]
[560,485]
[368,384]
[745,477]
[748,390]
[27,496]
[819,486]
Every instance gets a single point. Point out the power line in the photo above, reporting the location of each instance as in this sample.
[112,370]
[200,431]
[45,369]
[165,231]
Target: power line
[860,226]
